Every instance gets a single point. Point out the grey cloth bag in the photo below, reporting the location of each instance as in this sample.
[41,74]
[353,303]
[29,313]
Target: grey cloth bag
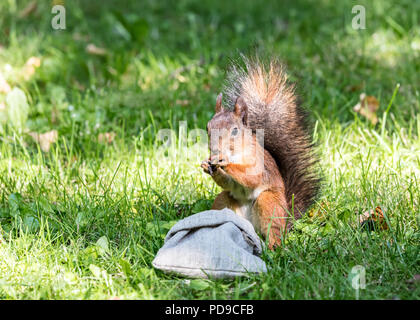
[212,243]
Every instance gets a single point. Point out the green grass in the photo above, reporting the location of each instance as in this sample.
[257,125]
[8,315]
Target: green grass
[85,219]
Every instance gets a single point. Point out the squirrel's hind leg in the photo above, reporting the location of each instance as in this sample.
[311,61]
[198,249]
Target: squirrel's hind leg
[271,209]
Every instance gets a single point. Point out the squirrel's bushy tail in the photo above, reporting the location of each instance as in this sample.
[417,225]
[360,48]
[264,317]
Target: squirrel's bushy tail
[272,106]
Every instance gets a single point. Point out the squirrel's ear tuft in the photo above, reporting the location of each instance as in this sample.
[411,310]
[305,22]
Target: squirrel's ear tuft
[219,107]
[241,109]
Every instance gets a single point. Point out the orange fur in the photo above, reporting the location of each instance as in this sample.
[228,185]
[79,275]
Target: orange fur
[224,200]
[262,180]
[271,208]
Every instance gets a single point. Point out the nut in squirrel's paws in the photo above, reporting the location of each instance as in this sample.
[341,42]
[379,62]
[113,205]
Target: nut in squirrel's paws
[208,167]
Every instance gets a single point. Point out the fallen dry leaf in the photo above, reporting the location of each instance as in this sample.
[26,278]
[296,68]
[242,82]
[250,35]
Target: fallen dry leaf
[319,211]
[367,107]
[92,49]
[28,72]
[414,279]
[414,282]
[80,37]
[33,61]
[354,87]
[106,137]
[181,78]
[54,115]
[183,102]
[4,86]
[112,71]
[29,9]
[373,218]
[30,66]
[45,139]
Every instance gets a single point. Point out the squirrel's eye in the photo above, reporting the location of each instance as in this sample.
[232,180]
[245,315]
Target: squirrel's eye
[235,131]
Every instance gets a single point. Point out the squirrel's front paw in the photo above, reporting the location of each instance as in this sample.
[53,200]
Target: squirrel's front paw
[221,177]
[206,166]
[209,168]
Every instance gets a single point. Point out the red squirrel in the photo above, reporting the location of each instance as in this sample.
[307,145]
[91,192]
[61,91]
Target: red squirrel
[270,181]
